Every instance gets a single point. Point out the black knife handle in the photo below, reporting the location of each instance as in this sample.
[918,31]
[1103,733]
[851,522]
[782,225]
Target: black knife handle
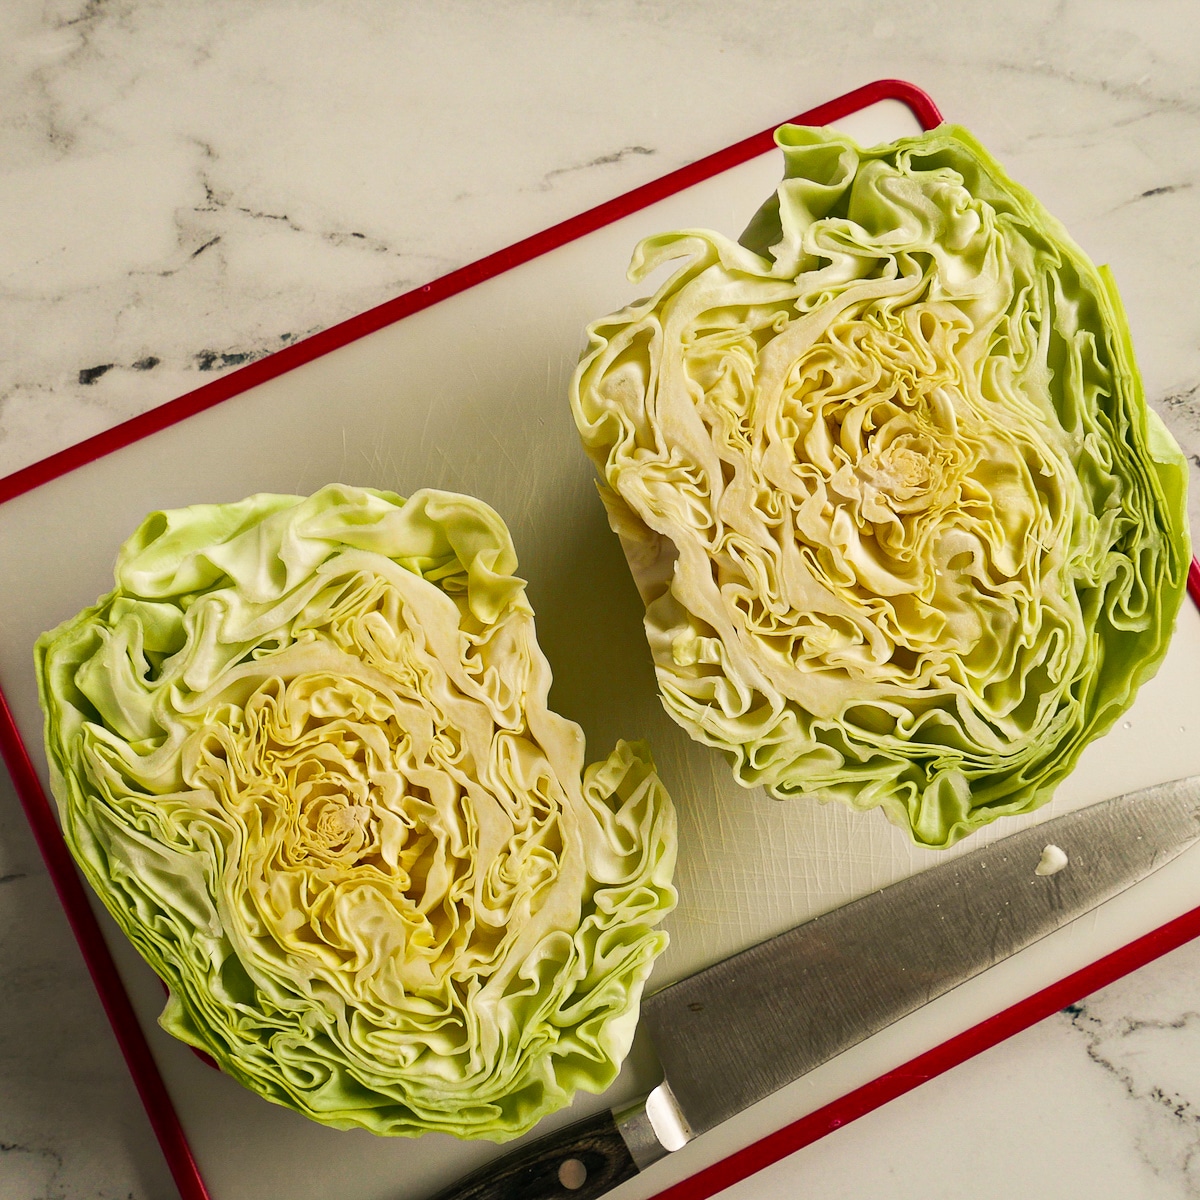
[580,1162]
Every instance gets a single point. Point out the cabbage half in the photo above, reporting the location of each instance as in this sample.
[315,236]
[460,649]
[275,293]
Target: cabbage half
[303,754]
[907,534]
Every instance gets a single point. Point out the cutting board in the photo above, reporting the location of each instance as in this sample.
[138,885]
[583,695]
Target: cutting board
[469,394]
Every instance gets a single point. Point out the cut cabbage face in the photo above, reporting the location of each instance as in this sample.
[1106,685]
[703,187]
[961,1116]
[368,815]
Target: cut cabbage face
[303,754]
[907,534]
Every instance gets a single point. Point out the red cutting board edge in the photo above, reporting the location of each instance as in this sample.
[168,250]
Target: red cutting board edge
[75,901]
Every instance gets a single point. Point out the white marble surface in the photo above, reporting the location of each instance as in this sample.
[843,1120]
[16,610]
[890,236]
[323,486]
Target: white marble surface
[188,185]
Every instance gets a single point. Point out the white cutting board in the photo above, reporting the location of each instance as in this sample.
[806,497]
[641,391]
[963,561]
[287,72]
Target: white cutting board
[470,395]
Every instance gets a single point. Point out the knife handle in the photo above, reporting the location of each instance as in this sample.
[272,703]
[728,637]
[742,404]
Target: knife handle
[580,1162]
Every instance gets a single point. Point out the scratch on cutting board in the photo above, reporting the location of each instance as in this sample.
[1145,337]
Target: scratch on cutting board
[519,469]
[303,479]
[425,429]
[382,468]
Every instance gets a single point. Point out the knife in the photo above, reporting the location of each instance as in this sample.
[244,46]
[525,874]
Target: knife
[739,1030]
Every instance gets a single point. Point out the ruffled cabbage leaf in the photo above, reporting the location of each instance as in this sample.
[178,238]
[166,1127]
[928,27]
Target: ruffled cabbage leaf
[303,753]
[907,534]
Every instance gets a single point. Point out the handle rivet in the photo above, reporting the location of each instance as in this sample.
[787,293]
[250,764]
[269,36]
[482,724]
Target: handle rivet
[572,1174]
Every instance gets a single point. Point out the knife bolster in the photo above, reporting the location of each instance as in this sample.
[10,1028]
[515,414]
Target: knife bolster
[638,1134]
[652,1127]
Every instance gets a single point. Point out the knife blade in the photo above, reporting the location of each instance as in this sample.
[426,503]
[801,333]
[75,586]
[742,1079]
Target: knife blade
[737,1031]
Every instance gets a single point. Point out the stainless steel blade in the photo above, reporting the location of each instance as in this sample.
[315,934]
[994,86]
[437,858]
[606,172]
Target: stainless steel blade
[743,1028]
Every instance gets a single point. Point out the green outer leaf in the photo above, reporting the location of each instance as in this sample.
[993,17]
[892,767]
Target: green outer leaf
[303,754]
[907,533]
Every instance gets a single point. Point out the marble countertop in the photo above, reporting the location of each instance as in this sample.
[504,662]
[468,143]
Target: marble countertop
[186,187]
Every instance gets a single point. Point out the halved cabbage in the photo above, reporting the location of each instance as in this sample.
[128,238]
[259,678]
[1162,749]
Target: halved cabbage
[907,533]
[303,754]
